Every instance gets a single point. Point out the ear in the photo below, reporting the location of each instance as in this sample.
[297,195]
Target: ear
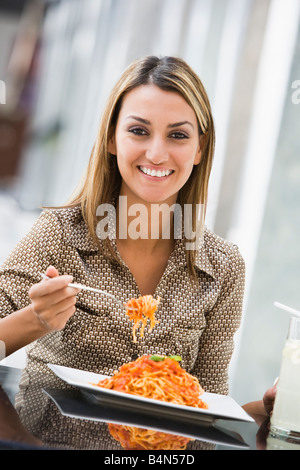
[198,156]
[199,150]
[112,148]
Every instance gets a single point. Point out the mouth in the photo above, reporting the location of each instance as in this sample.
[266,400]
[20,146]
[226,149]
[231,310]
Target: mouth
[155,173]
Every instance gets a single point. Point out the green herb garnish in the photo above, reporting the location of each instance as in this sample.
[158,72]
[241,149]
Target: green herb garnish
[176,358]
[157,358]
[162,358]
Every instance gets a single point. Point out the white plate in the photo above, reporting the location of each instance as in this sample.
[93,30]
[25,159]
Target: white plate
[219,406]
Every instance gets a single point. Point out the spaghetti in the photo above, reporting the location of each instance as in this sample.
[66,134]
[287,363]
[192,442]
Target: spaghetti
[160,378]
[139,311]
[132,438]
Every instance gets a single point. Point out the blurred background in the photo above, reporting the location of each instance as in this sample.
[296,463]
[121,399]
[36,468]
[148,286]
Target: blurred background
[60,59]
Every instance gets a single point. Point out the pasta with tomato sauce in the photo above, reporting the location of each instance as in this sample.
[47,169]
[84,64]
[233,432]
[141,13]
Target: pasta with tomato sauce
[132,438]
[140,311]
[160,378]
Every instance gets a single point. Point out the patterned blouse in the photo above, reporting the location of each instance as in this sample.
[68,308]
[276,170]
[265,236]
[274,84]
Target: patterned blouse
[196,320]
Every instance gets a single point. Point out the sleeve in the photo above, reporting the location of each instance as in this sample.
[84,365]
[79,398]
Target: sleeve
[216,344]
[32,255]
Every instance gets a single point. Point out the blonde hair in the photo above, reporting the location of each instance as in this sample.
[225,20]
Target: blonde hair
[102,181]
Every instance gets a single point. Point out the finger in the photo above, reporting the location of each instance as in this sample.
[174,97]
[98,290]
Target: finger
[51,271]
[61,307]
[56,318]
[63,317]
[68,292]
[61,295]
[53,300]
[50,286]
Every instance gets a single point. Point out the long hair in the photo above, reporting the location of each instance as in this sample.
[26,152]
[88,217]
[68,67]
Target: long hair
[102,180]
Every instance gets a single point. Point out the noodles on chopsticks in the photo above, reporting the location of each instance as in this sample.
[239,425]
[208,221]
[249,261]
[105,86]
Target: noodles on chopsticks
[140,311]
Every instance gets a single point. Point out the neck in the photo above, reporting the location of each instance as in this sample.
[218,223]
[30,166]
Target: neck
[143,224]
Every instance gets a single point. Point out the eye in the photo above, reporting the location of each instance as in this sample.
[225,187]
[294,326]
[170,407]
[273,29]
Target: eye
[179,135]
[137,131]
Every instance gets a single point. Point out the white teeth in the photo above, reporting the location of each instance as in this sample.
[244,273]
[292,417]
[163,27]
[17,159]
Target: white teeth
[158,173]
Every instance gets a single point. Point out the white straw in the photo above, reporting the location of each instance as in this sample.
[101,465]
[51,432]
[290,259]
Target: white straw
[287,309]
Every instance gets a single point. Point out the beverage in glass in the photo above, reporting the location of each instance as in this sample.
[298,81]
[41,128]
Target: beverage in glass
[285,420]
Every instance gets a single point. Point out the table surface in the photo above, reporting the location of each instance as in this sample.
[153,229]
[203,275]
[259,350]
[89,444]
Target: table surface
[56,419]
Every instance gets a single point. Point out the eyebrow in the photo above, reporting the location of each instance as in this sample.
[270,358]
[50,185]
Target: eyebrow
[171,126]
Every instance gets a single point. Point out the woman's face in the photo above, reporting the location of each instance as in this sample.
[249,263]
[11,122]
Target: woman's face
[156,143]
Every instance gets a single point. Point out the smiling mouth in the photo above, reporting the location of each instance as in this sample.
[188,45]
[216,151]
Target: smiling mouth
[156,173]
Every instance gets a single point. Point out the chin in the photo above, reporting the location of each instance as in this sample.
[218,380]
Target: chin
[159,200]
[143,195]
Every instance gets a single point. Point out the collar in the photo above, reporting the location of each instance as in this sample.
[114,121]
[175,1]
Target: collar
[76,230]
[203,262]
[207,254]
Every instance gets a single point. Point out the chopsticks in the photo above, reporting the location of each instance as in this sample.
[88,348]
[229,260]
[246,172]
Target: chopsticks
[91,289]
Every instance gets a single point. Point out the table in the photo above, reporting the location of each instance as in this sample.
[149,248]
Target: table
[56,418]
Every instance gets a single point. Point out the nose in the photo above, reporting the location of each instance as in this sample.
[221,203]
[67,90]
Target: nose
[157,152]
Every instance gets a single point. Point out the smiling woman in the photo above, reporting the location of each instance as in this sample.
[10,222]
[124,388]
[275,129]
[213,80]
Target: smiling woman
[154,150]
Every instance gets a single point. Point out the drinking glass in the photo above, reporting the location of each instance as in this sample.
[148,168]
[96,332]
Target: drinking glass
[285,420]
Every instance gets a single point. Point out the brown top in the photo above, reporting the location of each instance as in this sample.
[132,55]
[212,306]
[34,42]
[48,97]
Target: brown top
[196,321]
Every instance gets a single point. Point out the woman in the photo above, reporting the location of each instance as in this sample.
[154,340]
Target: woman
[154,150]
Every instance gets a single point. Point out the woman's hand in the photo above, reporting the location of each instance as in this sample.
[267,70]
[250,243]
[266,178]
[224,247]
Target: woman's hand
[261,409]
[52,301]
[269,399]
